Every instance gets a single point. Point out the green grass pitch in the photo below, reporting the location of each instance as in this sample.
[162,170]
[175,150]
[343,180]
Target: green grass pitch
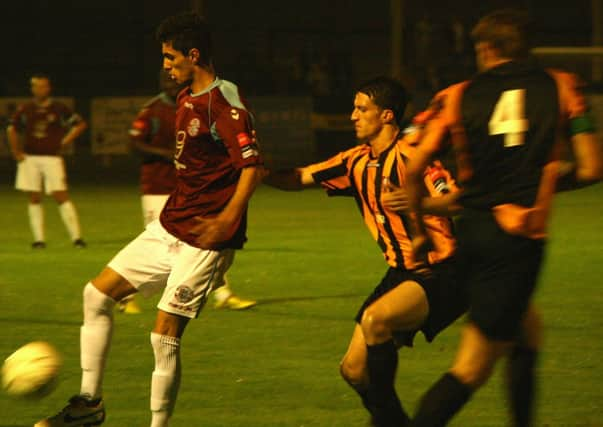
[310,263]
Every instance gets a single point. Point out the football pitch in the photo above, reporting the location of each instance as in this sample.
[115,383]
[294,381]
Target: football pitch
[309,262]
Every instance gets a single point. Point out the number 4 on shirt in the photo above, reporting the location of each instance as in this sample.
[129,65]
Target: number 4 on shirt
[508,117]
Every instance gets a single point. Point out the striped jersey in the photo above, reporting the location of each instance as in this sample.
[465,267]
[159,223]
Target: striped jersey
[357,173]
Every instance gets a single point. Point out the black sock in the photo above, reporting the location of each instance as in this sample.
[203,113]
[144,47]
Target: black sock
[441,402]
[521,384]
[362,390]
[382,361]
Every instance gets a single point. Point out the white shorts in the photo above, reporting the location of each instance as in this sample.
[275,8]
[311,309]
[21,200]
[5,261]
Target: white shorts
[156,260]
[37,171]
[152,205]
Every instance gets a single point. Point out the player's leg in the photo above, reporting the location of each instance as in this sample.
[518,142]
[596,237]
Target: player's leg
[142,265]
[165,340]
[29,180]
[472,367]
[194,273]
[55,180]
[87,408]
[353,367]
[403,308]
[35,212]
[521,366]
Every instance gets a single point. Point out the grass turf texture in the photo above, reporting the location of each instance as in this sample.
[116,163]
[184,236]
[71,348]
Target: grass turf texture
[310,263]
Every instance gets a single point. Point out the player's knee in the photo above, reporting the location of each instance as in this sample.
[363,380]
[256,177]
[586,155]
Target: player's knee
[474,374]
[35,198]
[351,372]
[96,302]
[374,324]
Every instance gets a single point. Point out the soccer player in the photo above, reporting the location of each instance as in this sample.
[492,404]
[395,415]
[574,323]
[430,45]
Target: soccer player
[186,251]
[415,294]
[37,133]
[152,134]
[505,125]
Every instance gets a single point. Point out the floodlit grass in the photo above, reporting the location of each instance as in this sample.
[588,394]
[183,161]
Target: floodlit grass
[310,263]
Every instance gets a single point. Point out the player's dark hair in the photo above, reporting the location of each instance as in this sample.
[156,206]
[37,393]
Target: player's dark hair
[507,30]
[185,32]
[388,94]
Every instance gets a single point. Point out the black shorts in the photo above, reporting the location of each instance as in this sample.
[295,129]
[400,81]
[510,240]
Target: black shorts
[444,292]
[500,272]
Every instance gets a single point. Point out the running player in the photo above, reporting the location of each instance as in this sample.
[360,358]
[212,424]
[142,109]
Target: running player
[415,294]
[38,133]
[187,251]
[505,125]
[152,134]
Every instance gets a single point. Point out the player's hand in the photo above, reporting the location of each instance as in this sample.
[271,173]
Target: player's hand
[211,231]
[394,198]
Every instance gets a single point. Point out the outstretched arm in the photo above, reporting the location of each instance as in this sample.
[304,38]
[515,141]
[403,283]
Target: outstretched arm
[289,179]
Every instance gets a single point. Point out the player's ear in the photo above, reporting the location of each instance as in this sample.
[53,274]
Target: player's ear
[387,116]
[194,55]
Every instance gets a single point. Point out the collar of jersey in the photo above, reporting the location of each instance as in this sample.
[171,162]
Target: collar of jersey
[215,83]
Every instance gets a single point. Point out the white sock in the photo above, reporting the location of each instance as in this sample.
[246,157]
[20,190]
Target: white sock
[223,292]
[70,219]
[166,378]
[95,339]
[36,221]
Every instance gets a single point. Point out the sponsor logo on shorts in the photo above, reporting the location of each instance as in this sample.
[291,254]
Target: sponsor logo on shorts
[193,127]
[184,294]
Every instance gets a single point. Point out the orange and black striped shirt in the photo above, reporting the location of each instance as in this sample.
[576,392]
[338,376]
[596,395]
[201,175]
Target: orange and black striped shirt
[356,173]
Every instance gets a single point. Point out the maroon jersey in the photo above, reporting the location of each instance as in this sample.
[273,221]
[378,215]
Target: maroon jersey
[154,126]
[43,127]
[213,143]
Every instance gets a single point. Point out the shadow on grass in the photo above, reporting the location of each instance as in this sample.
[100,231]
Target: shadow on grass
[267,301]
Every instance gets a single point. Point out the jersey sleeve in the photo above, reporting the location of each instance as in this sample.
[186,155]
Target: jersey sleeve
[69,117]
[235,129]
[333,174]
[18,119]
[142,127]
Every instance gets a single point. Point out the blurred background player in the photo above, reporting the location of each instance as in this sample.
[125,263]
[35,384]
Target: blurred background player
[152,134]
[38,132]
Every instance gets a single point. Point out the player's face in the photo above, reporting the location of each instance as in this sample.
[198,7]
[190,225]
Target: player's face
[40,88]
[180,67]
[367,117]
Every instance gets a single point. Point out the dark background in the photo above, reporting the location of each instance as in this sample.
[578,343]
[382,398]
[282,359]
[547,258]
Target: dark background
[314,48]
[93,48]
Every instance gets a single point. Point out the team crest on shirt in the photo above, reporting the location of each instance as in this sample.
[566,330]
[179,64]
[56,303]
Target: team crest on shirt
[193,127]
[234,113]
[184,294]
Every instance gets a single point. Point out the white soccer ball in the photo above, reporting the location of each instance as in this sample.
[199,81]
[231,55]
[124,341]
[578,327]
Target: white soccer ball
[31,371]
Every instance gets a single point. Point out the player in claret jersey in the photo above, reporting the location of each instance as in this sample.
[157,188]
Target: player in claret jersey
[187,251]
[38,132]
[152,134]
